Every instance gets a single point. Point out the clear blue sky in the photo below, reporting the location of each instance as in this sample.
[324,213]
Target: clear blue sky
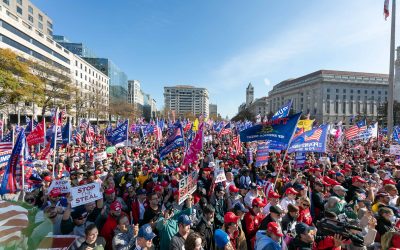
[223,45]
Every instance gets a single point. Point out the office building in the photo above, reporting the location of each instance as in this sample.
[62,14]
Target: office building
[118,84]
[28,40]
[135,94]
[331,96]
[185,99]
[213,109]
[77,48]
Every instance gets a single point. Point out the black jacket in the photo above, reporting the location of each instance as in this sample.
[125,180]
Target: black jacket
[383,226]
[353,190]
[207,232]
[287,222]
[297,244]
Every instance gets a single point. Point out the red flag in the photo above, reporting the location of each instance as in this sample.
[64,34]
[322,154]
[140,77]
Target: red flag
[386,9]
[37,135]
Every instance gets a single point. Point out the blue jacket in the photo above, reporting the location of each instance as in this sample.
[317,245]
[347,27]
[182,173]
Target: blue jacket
[263,242]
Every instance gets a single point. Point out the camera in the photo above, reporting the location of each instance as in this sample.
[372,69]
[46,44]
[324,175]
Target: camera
[330,227]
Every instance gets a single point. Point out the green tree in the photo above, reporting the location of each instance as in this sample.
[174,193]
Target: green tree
[244,115]
[58,87]
[18,83]
[382,114]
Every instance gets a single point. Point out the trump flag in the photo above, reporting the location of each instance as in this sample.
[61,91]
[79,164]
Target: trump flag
[310,141]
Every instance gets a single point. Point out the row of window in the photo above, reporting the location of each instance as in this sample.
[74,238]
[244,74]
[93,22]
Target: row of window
[351,108]
[379,98]
[358,91]
[33,53]
[94,74]
[33,41]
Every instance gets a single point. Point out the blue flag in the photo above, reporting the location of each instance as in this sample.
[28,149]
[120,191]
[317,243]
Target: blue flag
[119,134]
[12,175]
[279,130]
[174,141]
[282,111]
[396,134]
[361,123]
[66,133]
[313,140]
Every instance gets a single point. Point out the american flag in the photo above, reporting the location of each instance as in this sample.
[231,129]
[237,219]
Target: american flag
[353,131]
[83,123]
[89,135]
[6,142]
[78,138]
[226,130]
[315,136]
[13,219]
[237,144]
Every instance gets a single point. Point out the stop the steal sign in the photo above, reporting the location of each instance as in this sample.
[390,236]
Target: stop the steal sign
[85,194]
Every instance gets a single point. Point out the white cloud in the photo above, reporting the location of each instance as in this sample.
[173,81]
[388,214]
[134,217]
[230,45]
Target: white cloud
[267,82]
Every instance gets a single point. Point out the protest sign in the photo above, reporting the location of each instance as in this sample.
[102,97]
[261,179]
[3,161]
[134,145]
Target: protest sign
[110,150]
[4,157]
[262,154]
[300,159]
[100,156]
[57,242]
[394,149]
[63,185]
[187,186]
[219,174]
[85,194]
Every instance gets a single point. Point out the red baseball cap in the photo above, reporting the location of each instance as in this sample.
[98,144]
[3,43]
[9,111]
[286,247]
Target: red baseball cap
[109,191]
[389,181]
[233,188]
[291,191]
[115,206]
[273,194]
[55,192]
[157,188]
[257,202]
[176,192]
[47,178]
[274,228]
[358,179]
[164,183]
[230,217]
[97,172]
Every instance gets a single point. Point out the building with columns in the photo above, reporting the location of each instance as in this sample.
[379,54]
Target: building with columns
[331,96]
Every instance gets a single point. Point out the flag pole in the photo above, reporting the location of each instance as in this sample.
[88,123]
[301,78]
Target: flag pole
[55,140]
[127,134]
[391,71]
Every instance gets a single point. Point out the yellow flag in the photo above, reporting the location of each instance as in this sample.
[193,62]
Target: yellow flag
[305,124]
[195,125]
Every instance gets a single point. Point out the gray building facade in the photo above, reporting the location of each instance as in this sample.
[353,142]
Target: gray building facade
[186,99]
[118,84]
[331,96]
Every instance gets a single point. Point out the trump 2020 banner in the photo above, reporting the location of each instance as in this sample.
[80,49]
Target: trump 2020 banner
[279,130]
[262,154]
[310,141]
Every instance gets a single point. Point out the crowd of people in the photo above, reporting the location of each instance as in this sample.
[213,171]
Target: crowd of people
[344,199]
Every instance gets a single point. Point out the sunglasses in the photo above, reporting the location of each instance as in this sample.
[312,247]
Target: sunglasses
[306,205]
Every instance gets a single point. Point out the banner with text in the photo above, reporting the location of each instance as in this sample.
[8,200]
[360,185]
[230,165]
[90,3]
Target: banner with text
[86,193]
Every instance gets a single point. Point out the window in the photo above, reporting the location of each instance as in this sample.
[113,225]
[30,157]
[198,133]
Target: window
[351,91]
[328,90]
[328,97]
[351,97]
[337,90]
[19,2]
[344,90]
[372,92]
[30,18]
[19,10]
[30,9]
[379,92]
[40,26]
[337,97]
[6,2]
[366,92]
[40,17]
[50,32]
[358,91]
[50,25]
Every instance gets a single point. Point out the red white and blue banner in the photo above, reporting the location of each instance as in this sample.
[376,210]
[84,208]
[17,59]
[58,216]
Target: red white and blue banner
[279,130]
[310,141]
[262,154]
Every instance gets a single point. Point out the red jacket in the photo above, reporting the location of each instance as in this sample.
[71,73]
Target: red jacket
[107,232]
[305,216]
[252,223]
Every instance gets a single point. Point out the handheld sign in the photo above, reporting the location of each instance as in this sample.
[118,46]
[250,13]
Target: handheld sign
[100,156]
[85,194]
[395,149]
[187,186]
[219,174]
[63,185]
